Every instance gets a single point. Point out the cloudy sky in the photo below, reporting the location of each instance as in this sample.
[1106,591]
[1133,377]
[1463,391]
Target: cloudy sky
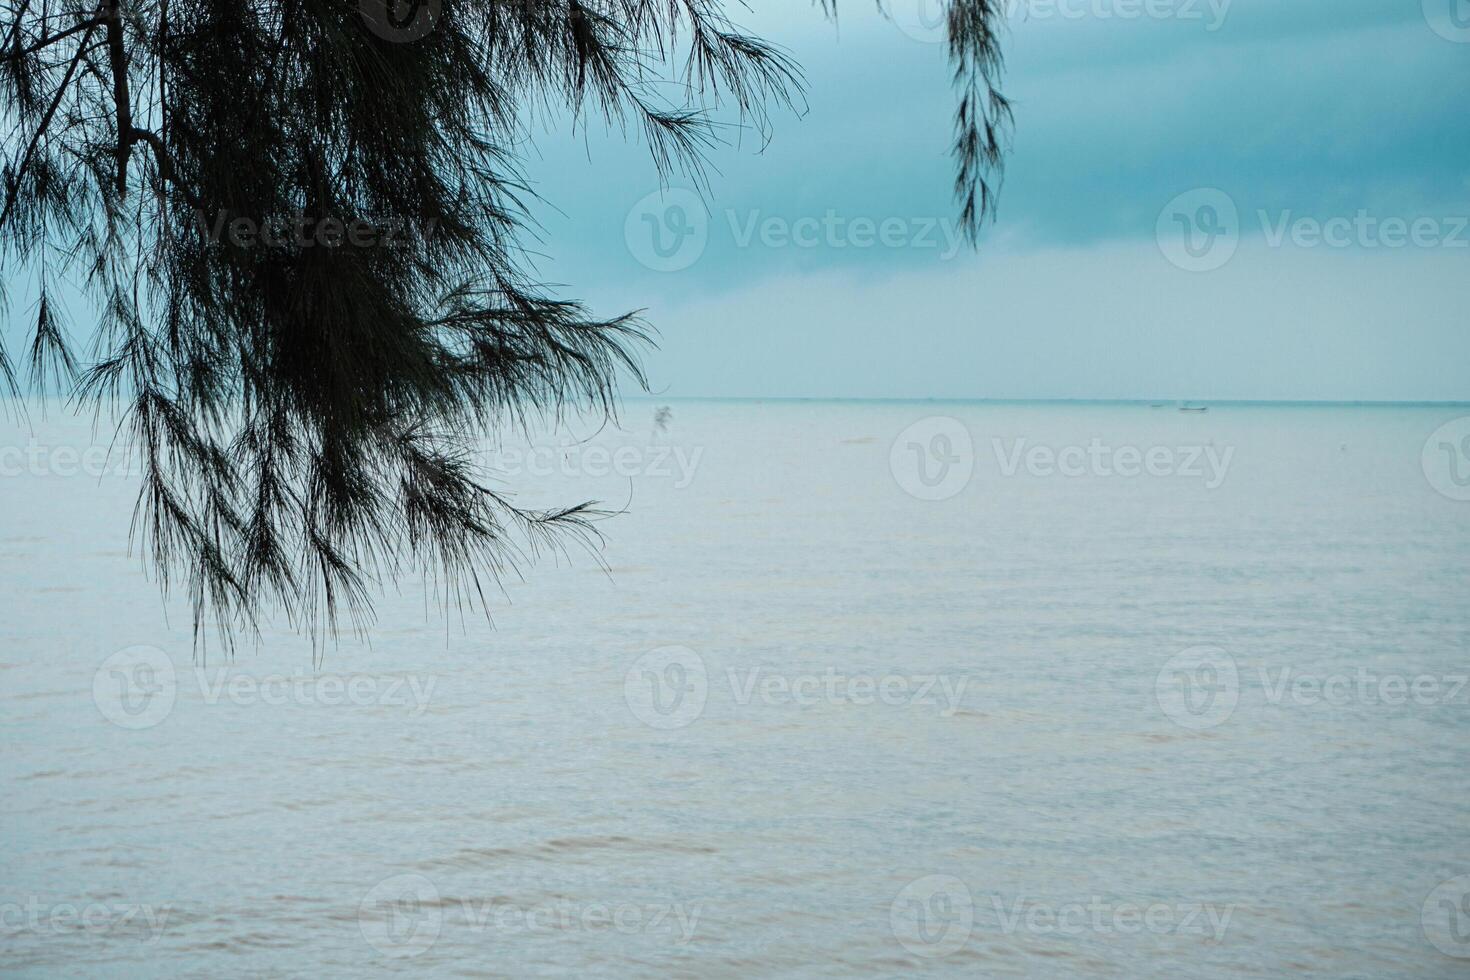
[1206,199]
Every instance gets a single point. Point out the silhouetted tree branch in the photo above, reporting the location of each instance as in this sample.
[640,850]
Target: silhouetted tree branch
[306,407]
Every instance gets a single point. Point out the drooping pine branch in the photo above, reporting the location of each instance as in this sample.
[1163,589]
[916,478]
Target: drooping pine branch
[298,222]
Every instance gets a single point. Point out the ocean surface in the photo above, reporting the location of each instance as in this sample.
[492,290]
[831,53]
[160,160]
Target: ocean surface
[869,689]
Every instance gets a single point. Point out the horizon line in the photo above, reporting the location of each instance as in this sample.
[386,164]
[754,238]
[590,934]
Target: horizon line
[918,400]
[1161,402]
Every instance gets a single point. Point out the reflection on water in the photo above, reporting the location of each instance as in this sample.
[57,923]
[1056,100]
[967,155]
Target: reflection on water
[869,689]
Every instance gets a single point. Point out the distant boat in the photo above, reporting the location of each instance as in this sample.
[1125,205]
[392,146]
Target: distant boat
[1193,408]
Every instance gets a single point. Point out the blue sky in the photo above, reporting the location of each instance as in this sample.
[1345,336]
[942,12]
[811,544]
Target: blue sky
[1334,128]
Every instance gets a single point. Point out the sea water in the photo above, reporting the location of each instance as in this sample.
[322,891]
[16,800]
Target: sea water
[876,689]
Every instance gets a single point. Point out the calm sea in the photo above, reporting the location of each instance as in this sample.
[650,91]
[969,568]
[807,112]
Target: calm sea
[872,689]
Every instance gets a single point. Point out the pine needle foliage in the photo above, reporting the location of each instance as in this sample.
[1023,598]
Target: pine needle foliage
[231,180]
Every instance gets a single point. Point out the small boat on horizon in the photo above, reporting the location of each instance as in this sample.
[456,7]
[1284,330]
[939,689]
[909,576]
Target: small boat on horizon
[1193,408]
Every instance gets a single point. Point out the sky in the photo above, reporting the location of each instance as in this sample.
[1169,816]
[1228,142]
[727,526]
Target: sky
[1227,199]
[1205,199]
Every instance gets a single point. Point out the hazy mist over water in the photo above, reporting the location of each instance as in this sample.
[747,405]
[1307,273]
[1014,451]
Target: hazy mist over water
[864,688]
